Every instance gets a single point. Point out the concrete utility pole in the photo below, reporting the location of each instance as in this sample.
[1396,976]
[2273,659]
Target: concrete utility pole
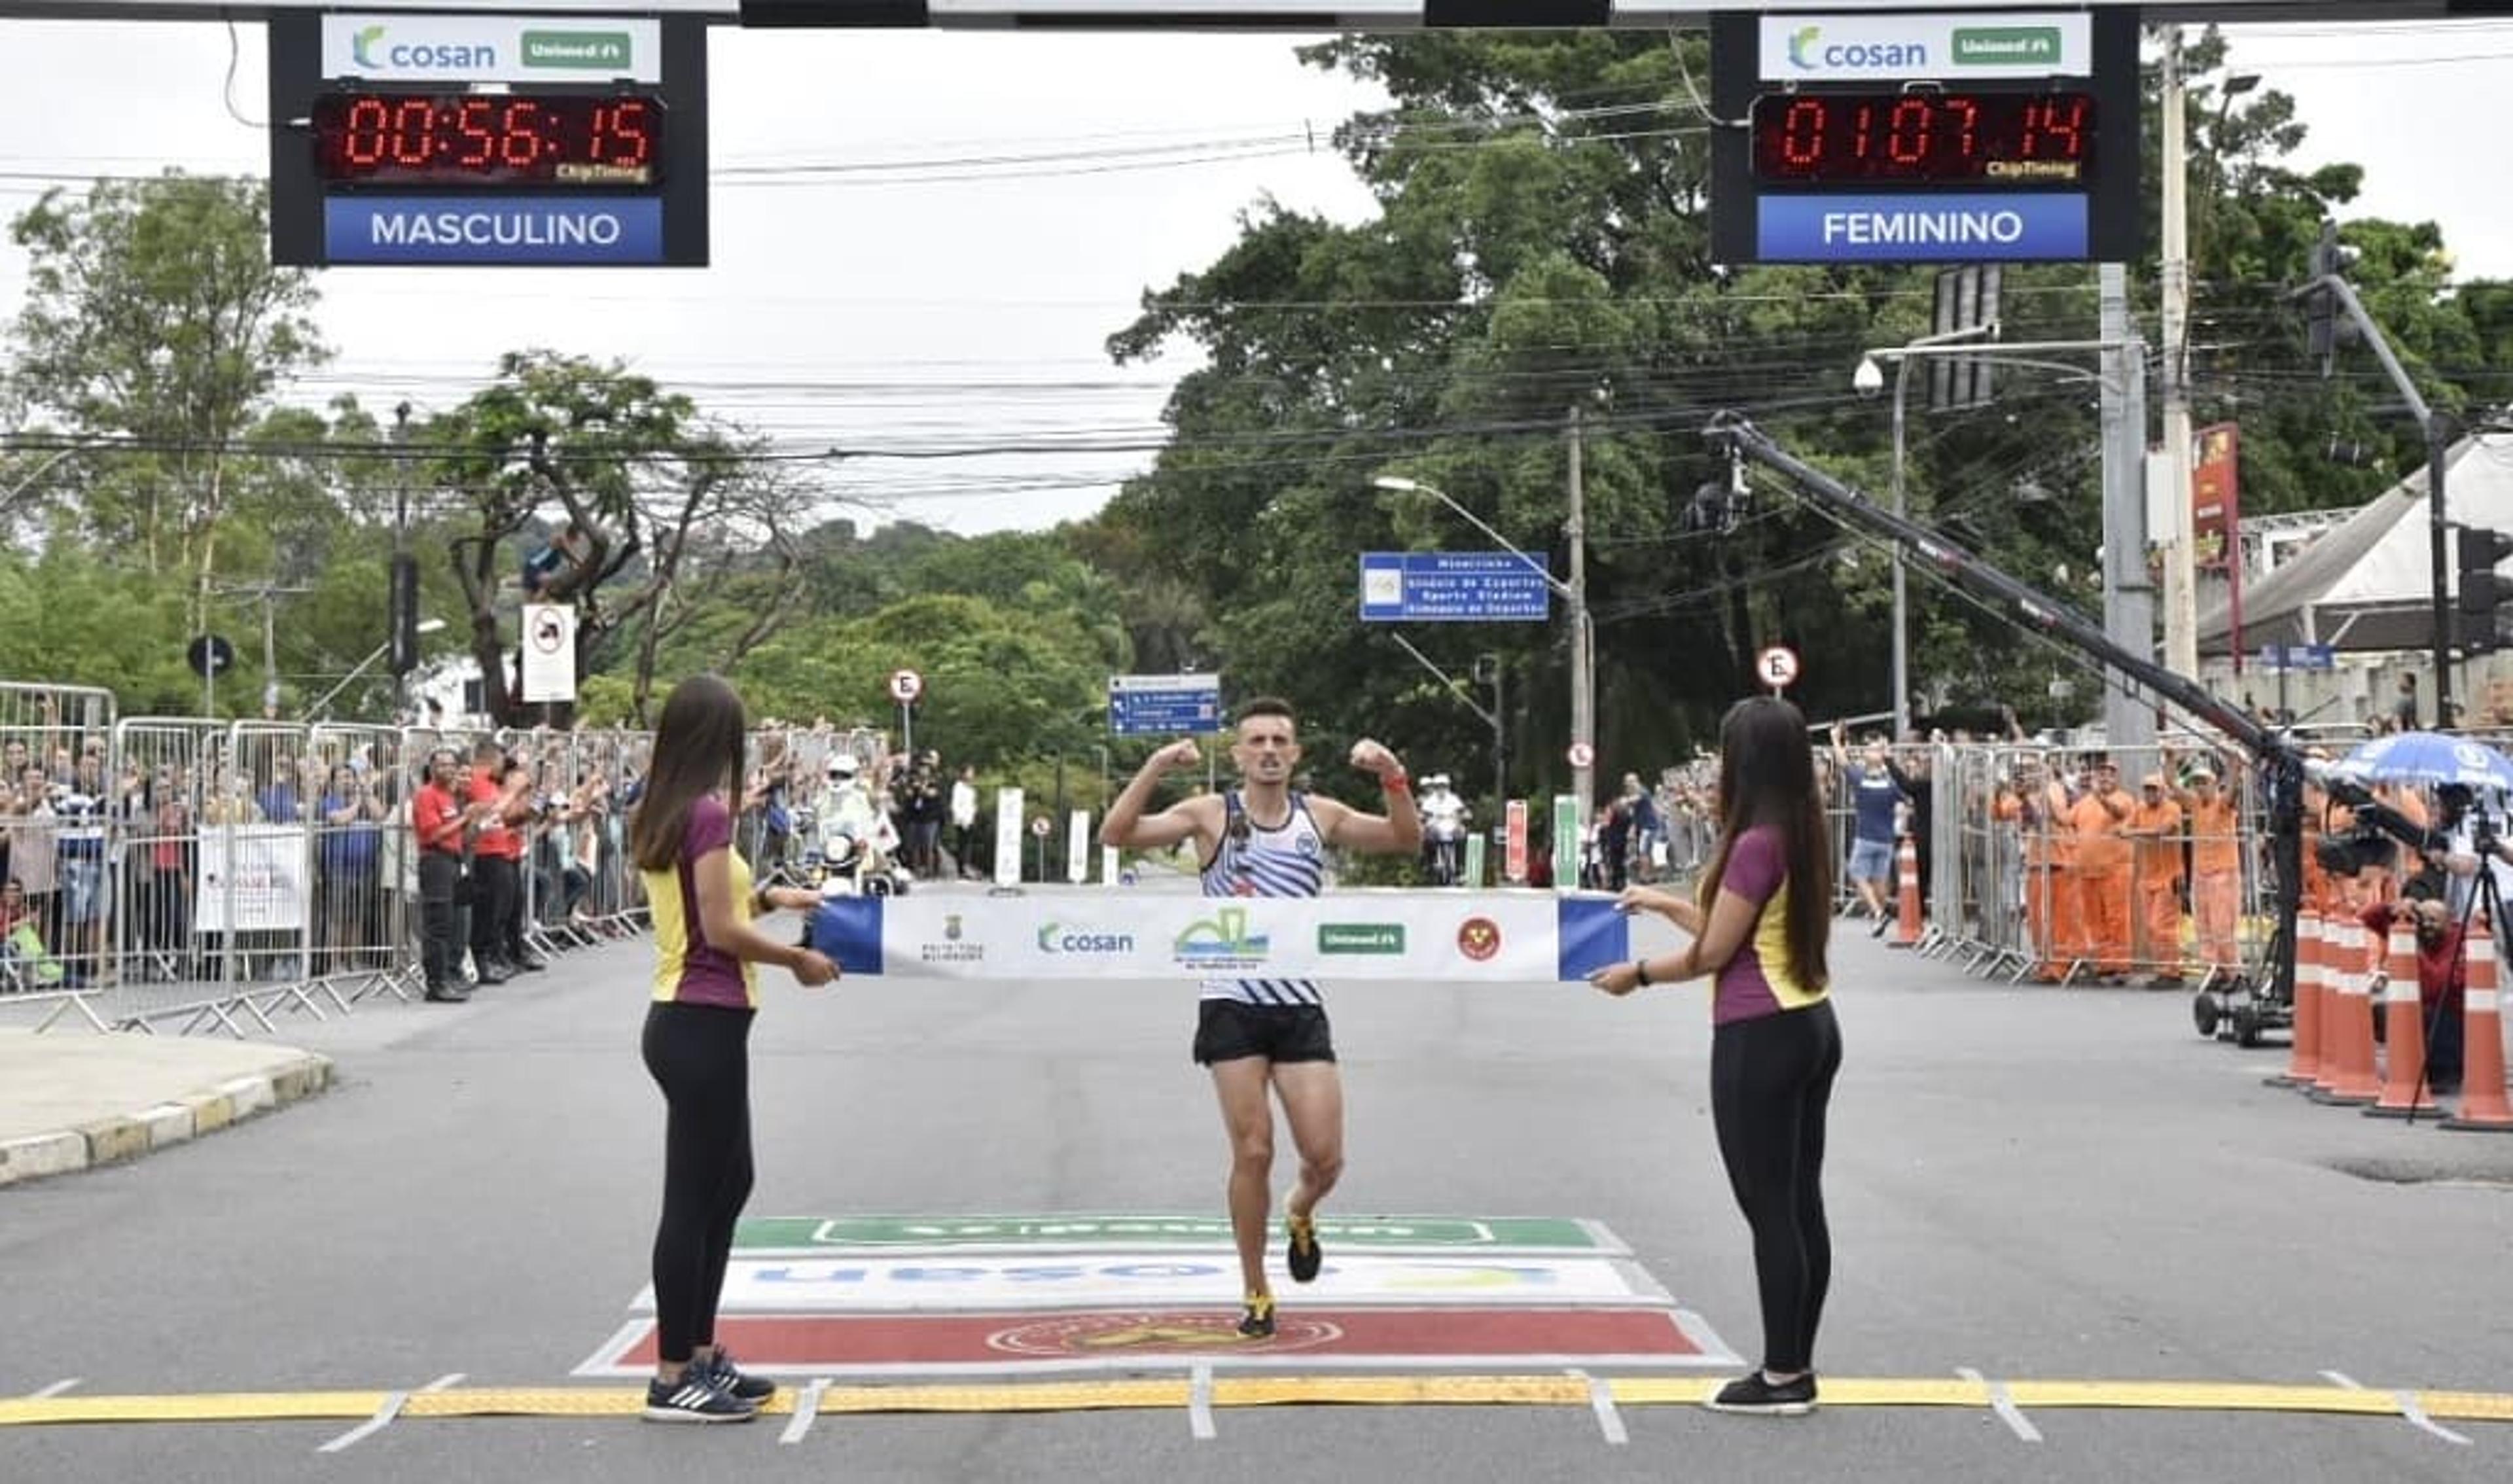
[2129,601]
[1583,641]
[2181,551]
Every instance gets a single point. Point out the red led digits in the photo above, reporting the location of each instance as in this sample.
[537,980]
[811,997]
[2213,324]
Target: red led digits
[479,137]
[1922,138]
[1906,142]
[465,141]
[1801,133]
[360,135]
[414,130]
[519,141]
[619,134]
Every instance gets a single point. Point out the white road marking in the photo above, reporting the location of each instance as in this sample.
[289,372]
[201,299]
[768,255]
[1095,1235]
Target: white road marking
[807,1408]
[2415,1411]
[1601,1400]
[54,1389]
[1198,1403]
[391,1408]
[2409,1407]
[2004,1405]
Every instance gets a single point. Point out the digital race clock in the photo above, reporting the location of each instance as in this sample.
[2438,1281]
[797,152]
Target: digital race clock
[488,140]
[1924,137]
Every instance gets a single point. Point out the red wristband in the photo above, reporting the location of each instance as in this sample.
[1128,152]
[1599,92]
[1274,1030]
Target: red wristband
[1396,784]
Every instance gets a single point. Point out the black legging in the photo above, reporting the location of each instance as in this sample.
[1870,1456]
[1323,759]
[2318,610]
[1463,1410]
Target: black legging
[1770,1080]
[699,1056]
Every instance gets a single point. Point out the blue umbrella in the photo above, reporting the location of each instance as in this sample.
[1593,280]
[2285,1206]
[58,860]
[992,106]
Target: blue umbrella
[2427,757]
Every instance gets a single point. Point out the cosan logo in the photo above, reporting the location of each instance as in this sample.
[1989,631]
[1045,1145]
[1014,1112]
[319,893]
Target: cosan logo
[376,52]
[1809,52]
[1056,937]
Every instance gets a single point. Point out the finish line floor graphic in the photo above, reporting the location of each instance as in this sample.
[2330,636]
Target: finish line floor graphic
[1065,1313]
[926,1298]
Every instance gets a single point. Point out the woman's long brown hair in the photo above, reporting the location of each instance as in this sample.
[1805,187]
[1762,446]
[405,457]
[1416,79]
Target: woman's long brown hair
[1766,776]
[698,749]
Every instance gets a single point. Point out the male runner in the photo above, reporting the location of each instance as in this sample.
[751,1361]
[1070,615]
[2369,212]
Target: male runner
[1265,840]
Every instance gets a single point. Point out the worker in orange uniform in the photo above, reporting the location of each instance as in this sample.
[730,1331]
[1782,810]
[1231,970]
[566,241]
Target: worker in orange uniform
[2155,925]
[2215,866]
[2103,871]
[2051,901]
[2324,818]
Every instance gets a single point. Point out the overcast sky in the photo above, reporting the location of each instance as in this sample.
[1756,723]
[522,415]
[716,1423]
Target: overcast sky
[940,304]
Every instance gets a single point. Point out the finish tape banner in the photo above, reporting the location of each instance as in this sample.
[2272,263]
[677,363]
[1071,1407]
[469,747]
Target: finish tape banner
[1500,937]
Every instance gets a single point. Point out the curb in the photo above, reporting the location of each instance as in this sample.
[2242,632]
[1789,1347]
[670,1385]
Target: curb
[113,1141]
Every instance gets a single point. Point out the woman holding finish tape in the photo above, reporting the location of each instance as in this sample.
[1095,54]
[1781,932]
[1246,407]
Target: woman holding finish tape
[697,1037]
[1760,927]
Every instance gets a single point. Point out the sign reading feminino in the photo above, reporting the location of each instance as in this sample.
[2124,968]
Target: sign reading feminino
[477,49]
[1950,47]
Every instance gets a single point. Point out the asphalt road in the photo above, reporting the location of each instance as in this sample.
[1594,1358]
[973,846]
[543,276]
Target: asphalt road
[2035,1185]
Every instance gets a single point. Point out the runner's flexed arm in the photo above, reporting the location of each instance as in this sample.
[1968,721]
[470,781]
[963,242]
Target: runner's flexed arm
[1127,827]
[1399,831]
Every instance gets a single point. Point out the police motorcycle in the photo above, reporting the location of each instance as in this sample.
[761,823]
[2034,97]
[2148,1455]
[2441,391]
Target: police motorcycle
[850,848]
[1444,831]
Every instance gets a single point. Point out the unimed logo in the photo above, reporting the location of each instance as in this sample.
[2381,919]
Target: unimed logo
[585,51]
[1361,937]
[2006,46]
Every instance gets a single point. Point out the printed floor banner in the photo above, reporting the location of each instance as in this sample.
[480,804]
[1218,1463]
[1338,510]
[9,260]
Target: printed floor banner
[1493,936]
[255,871]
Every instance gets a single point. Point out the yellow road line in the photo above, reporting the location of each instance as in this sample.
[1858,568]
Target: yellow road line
[1265,1391]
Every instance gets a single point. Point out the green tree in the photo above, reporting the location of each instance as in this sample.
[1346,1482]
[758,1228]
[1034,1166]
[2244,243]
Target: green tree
[1540,244]
[155,318]
[649,486]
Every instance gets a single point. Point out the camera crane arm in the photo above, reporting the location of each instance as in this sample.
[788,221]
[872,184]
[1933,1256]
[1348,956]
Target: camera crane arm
[2280,761]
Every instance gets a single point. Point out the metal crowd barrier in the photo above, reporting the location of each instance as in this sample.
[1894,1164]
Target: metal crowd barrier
[2031,883]
[200,875]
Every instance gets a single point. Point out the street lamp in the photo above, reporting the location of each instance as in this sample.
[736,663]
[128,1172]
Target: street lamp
[1869,379]
[315,711]
[1583,632]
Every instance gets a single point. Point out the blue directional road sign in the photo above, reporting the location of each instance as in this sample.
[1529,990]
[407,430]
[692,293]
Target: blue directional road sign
[1164,706]
[2299,656]
[1453,587]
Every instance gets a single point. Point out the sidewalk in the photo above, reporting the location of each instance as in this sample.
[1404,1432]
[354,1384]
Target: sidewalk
[71,1099]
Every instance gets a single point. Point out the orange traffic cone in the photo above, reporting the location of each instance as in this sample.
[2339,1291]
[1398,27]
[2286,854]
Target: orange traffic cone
[2483,1105]
[2404,1031]
[1906,924]
[2303,1062]
[2347,1079]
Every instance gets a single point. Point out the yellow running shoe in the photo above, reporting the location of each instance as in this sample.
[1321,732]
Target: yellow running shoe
[1302,1255]
[1256,1321]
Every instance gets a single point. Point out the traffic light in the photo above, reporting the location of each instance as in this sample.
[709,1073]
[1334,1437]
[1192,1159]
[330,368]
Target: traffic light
[2324,322]
[2325,329]
[403,614]
[2480,589]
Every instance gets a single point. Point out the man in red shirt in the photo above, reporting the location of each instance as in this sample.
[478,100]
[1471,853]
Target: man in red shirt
[439,820]
[2443,972]
[497,865]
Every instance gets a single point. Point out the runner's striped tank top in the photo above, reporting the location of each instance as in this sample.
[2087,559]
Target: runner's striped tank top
[1287,859]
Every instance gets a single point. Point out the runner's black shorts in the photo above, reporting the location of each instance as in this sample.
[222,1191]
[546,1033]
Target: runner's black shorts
[1227,1031]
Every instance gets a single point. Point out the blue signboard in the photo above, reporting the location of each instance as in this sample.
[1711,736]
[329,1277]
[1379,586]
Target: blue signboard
[2299,656]
[1453,587]
[493,229]
[1164,706]
[1979,228]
